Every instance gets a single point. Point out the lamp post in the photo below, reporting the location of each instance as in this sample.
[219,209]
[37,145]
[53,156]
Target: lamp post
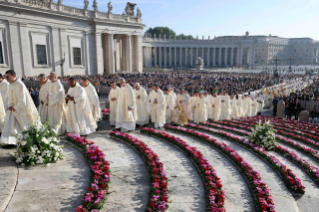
[276,59]
[290,59]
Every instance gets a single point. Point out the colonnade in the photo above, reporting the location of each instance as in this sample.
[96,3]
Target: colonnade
[122,53]
[160,56]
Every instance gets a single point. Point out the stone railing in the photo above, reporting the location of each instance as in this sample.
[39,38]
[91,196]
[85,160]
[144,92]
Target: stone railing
[215,41]
[60,8]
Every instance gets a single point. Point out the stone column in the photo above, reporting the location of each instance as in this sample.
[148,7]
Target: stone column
[202,54]
[208,57]
[15,62]
[155,56]
[214,56]
[165,56]
[128,53]
[196,55]
[191,56]
[180,56]
[170,56]
[26,57]
[136,53]
[175,58]
[231,56]
[186,55]
[226,56]
[160,64]
[220,56]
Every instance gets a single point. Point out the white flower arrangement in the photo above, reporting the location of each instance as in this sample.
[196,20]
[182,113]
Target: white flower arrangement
[263,135]
[37,145]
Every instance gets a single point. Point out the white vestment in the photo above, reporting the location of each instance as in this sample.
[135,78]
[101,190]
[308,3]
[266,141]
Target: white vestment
[57,106]
[158,109]
[239,107]
[126,115]
[2,114]
[43,108]
[150,100]
[201,112]
[141,107]
[4,89]
[94,101]
[209,106]
[80,120]
[183,111]
[114,93]
[225,107]
[24,115]
[254,108]
[170,104]
[247,106]
[215,109]
[233,106]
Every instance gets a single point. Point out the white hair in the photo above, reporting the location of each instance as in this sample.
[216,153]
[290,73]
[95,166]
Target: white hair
[138,84]
[53,73]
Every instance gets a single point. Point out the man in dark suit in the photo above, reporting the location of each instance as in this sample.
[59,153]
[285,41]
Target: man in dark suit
[297,109]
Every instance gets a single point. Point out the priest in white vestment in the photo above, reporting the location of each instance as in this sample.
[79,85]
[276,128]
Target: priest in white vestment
[158,108]
[225,106]
[150,100]
[215,109]
[141,105]
[126,115]
[208,98]
[254,107]
[93,98]
[201,112]
[56,104]
[21,110]
[233,106]
[182,111]
[113,98]
[43,107]
[239,106]
[170,105]
[2,114]
[4,89]
[171,92]
[80,120]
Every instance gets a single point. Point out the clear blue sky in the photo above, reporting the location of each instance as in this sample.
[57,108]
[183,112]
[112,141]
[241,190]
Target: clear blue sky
[285,18]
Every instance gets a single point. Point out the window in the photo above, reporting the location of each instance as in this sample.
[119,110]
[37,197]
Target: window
[77,56]
[41,55]
[1,54]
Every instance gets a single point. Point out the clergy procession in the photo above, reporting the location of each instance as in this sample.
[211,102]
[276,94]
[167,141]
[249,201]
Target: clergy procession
[76,112]
[130,105]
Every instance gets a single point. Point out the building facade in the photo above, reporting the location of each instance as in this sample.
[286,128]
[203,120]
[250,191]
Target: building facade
[224,51]
[39,36]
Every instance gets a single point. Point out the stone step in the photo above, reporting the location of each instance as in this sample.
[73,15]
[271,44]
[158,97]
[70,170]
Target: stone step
[238,196]
[283,199]
[129,188]
[185,185]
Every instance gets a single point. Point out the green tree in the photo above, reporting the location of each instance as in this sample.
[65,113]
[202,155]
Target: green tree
[161,31]
[183,36]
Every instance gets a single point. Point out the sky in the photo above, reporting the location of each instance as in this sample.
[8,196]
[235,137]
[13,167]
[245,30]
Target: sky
[284,18]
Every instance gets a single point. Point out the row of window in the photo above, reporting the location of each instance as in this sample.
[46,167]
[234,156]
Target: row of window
[42,55]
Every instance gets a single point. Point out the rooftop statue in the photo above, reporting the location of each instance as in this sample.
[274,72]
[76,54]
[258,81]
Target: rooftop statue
[86,4]
[138,13]
[95,5]
[129,9]
[109,7]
